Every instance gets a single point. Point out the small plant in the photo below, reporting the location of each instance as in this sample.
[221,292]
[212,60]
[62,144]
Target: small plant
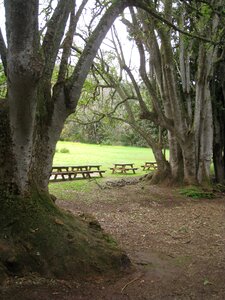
[219,188]
[196,193]
[64,150]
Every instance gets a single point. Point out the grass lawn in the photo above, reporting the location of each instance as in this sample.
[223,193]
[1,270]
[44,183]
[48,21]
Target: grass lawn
[81,154]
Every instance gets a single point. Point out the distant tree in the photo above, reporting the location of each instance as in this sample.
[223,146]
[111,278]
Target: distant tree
[126,101]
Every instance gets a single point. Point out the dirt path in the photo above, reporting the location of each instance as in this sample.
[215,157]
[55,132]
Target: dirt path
[176,245]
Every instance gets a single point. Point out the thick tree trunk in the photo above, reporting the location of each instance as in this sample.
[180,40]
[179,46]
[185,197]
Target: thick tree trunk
[189,160]
[7,160]
[219,142]
[175,159]
[163,172]
[218,92]
[24,66]
[49,124]
[205,143]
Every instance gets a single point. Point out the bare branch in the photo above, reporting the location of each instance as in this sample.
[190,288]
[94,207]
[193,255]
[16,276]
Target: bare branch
[67,43]
[77,79]
[106,115]
[165,122]
[159,17]
[54,34]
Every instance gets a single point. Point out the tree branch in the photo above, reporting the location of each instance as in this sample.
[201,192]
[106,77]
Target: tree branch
[67,43]
[165,122]
[75,83]
[54,34]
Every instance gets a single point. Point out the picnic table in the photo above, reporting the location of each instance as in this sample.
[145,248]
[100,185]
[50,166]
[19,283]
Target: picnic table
[149,165]
[75,172]
[86,167]
[123,168]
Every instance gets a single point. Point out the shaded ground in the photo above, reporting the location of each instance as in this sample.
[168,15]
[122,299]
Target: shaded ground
[176,245]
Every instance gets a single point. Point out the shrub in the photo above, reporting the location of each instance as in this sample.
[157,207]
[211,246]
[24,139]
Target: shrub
[64,150]
[196,193]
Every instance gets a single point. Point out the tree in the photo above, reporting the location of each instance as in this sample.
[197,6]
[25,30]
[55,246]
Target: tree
[132,100]
[31,119]
[182,52]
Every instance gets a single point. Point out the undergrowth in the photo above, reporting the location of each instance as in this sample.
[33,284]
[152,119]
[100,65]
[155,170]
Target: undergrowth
[196,192]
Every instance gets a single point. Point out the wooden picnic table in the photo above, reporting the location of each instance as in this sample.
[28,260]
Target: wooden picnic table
[75,168]
[72,172]
[60,168]
[149,165]
[123,168]
[86,167]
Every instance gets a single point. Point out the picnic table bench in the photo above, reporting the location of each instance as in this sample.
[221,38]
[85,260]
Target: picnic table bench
[73,172]
[123,168]
[150,165]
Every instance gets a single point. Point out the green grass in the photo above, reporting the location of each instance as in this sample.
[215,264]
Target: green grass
[66,190]
[82,154]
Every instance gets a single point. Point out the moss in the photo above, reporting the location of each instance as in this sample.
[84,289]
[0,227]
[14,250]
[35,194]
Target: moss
[52,242]
[196,192]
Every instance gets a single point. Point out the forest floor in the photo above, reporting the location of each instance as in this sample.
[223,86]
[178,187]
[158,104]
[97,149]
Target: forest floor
[176,245]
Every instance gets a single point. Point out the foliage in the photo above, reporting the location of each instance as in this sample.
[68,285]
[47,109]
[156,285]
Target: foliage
[3,88]
[196,192]
[64,150]
[106,132]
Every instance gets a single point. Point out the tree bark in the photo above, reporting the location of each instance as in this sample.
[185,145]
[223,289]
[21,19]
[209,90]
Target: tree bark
[24,68]
[218,93]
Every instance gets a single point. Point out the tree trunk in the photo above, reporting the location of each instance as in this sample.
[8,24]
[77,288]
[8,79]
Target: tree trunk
[49,124]
[7,160]
[24,67]
[218,93]
[176,159]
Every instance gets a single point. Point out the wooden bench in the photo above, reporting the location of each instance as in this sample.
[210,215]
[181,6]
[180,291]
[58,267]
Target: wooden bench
[63,175]
[100,172]
[122,169]
[85,173]
[131,169]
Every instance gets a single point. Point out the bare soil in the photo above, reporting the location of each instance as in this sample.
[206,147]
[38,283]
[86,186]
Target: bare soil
[176,246]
